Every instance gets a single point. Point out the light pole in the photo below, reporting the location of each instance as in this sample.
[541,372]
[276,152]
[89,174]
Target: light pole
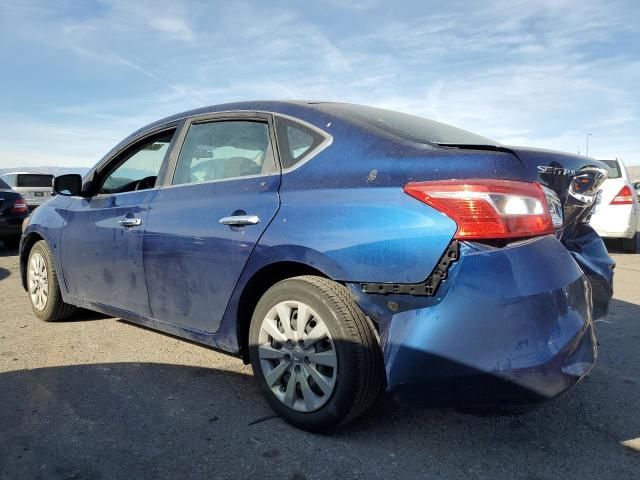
[587,152]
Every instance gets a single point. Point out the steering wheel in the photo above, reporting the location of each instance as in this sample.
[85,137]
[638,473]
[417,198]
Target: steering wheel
[146,183]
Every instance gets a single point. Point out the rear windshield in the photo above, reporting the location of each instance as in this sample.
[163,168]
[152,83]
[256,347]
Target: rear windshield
[407,127]
[34,180]
[614,168]
[3,185]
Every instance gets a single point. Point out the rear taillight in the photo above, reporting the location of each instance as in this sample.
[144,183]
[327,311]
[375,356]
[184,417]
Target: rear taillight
[488,209]
[20,206]
[624,197]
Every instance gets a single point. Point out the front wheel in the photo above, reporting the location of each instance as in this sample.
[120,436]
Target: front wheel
[42,282]
[314,353]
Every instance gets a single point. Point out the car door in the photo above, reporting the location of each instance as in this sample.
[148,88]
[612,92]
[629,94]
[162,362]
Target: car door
[101,241]
[205,222]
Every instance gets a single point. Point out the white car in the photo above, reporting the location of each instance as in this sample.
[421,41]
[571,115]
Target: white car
[618,212]
[36,188]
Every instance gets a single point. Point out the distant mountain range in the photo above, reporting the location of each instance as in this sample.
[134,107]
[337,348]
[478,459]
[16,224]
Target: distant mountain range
[52,170]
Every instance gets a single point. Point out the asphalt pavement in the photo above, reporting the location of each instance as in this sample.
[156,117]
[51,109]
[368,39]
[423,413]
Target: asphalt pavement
[98,398]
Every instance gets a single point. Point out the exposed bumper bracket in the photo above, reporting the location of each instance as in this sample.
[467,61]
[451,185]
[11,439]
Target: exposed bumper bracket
[429,286]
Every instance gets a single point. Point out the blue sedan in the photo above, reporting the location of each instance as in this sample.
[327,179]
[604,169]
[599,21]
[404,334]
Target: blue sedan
[342,250]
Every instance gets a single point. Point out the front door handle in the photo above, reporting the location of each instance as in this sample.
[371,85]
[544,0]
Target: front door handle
[240,220]
[130,222]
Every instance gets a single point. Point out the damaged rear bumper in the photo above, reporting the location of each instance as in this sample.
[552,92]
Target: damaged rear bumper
[509,325]
[590,253]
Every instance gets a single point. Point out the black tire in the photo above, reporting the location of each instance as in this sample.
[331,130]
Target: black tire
[360,374]
[11,243]
[55,309]
[630,245]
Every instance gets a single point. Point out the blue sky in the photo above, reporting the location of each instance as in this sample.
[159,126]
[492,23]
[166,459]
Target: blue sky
[78,76]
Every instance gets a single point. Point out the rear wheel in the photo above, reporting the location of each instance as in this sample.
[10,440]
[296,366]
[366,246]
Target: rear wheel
[11,243]
[42,282]
[314,353]
[630,244]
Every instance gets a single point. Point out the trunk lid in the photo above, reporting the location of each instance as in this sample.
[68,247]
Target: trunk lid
[558,170]
[7,199]
[577,181]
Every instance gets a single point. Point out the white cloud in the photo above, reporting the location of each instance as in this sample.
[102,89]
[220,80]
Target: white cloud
[28,143]
[537,73]
[177,28]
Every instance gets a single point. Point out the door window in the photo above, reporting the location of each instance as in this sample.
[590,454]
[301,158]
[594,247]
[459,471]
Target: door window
[138,168]
[224,150]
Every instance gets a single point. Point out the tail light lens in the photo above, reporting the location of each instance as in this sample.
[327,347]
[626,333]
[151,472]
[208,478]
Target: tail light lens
[490,209]
[624,197]
[20,206]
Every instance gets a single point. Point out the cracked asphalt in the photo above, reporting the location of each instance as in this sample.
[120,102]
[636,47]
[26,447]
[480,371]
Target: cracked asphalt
[98,398]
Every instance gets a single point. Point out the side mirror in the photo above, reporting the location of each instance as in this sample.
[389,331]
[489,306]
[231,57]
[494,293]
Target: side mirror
[68,185]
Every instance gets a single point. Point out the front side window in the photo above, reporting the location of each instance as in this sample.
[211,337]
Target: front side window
[138,169]
[296,141]
[223,150]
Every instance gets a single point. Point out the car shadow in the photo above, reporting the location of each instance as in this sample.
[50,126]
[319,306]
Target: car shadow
[614,245]
[154,420]
[84,315]
[7,252]
[4,273]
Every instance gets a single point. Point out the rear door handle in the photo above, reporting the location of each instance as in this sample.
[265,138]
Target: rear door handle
[130,222]
[240,220]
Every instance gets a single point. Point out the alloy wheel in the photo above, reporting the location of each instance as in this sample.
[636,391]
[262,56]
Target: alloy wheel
[38,280]
[297,356]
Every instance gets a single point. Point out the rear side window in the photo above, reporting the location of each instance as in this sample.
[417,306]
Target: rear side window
[222,150]
[296,141]
[614,168]
[34,180]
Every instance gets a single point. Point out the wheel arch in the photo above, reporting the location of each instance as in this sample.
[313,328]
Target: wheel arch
[27,244]
[256,286]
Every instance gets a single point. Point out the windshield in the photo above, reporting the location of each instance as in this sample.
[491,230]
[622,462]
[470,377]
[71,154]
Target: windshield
[3,185]
[614,168]
[34,180]
[405,126]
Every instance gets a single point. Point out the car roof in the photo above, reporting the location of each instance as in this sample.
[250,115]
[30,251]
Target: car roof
[273,106]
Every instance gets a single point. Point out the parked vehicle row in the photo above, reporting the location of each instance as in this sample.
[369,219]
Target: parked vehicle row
[618,212]
[13,212]
[36,188]
[341,250]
